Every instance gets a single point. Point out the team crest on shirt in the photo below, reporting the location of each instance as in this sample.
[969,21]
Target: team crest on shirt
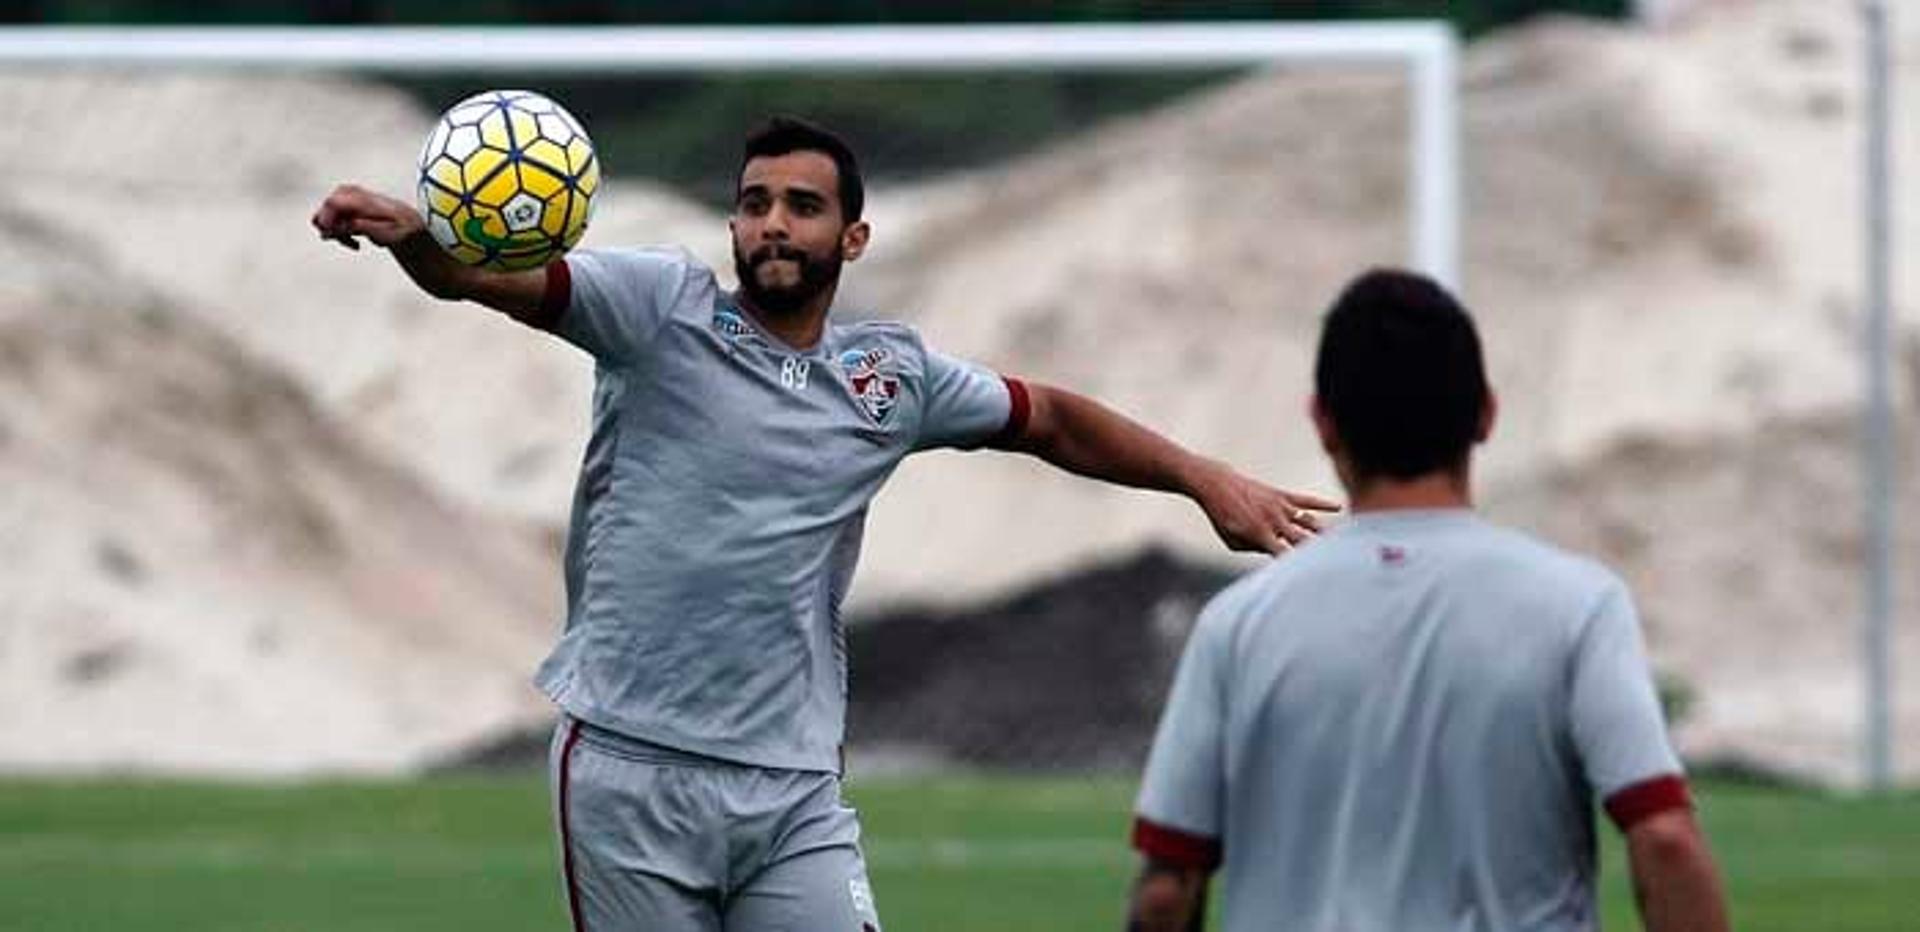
[871,375]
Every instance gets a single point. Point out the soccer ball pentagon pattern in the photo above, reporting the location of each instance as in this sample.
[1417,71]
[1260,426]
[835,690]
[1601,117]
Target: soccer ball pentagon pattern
[507,180]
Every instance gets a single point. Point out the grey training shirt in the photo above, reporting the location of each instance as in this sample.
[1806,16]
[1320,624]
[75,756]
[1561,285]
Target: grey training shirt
[719,511]
[1404,725]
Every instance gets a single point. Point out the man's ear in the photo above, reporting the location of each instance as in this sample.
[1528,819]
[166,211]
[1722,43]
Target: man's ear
[1489,413]
[853,239]
[1323,425]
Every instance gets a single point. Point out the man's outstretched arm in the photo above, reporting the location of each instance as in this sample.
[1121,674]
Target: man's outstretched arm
[1083,436]
[350,211]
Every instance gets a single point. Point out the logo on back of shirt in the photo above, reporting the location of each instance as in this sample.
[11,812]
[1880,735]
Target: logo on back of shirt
[870,374]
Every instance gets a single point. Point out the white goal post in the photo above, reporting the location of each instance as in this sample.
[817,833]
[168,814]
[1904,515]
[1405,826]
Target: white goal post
[1428,51]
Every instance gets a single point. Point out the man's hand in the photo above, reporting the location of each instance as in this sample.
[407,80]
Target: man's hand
[1085,437]
[1168,898]
[1250,515]
[350,211]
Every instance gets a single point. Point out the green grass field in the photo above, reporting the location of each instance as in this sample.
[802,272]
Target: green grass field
[947,855]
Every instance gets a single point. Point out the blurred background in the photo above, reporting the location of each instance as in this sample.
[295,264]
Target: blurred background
[269,513]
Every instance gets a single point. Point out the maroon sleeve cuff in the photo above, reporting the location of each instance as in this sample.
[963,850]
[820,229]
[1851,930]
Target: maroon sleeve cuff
[1019,408]
[1173,846]
[554,300]
[1637,803]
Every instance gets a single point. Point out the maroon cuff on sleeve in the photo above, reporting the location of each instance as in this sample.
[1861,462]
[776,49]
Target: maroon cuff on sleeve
[1633,805]
[1019,409]
[1173,846]
[556,298]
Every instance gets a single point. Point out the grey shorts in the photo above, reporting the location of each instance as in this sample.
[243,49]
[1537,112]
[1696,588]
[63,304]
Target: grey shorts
[658,840]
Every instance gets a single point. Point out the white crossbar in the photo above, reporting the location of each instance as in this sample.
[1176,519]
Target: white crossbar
[1428,50]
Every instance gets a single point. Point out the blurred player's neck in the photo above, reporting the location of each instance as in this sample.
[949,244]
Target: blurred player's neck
[1446,489]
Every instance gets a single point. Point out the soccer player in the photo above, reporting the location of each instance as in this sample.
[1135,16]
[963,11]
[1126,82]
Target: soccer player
[737,440]
[1405,724]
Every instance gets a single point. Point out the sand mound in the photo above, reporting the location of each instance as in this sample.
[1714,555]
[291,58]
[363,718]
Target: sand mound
[201,185]
[202,572]
[1745,560]
[1641,262]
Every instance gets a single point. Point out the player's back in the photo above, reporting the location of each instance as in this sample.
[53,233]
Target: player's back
[1399,741]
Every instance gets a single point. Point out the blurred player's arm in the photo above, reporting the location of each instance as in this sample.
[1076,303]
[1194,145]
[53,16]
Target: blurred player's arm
[1616,724]
[1168,898]
[1674,879]
[1085,437]
[350,211]
[1179,818]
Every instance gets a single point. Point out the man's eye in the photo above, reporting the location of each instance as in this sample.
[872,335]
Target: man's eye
[806,208]
[753,205]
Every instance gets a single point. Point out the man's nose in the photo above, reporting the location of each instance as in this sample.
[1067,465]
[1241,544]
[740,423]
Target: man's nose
[774,226]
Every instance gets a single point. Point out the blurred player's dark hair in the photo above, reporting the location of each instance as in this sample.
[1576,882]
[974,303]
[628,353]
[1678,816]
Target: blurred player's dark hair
[781,135]
[1400,374]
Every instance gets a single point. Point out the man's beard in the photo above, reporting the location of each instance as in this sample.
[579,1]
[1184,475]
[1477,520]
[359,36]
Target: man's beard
[816,275]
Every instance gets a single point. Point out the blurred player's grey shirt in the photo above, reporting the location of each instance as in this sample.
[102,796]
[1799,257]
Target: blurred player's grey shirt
[719,511]
[1404,725]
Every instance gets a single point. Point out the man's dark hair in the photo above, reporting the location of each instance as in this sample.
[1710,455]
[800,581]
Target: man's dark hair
[781,135]
[1400,373]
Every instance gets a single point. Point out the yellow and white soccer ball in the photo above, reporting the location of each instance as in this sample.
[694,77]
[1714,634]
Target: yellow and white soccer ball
[507,180]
